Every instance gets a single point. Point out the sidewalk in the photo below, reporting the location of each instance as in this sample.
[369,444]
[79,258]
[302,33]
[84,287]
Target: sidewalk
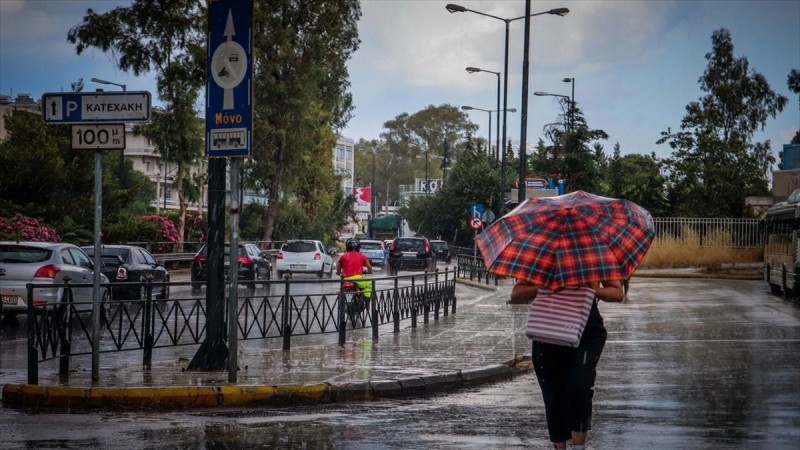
[481,343]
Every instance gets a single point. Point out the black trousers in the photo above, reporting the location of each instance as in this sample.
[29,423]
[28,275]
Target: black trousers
[566,377]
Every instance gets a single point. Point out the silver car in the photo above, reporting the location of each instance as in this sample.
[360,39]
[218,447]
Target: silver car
[304,256]
[44,263]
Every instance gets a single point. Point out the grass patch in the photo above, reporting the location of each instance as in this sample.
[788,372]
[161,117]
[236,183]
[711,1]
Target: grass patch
[690,249]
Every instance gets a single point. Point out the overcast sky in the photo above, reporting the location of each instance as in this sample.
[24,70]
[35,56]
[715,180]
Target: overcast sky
[636,63]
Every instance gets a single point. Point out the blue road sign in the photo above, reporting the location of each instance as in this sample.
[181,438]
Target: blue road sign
[229,84]
[475,210]
[96,107]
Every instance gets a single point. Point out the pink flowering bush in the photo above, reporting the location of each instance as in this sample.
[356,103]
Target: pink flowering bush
[167,232]
[26,228]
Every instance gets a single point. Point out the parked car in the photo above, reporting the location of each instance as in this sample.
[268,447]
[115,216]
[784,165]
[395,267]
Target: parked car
[441,250]
[304,256]
[45,263]
[254,264]
[131,264]
[375,251]
[410,253]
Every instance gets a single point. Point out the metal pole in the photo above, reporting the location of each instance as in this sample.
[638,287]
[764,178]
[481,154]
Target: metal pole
[489,144]
[427,182]
[505,122]
[497,135]
[524,120]
[98,214]
[233,297]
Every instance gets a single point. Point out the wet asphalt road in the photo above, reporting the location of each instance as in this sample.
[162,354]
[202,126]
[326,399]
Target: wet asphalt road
[690,364]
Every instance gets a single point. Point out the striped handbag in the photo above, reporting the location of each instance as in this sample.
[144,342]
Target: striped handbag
[560,317]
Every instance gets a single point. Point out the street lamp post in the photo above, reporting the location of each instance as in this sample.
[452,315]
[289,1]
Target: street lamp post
[571,103]
[371,187]
[490,111]
[453,8]
[497,145]
[569,116]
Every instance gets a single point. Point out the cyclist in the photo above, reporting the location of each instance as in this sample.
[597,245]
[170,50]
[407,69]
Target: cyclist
[351,267]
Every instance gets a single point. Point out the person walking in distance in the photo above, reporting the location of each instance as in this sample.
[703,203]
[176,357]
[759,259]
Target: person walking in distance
[566,375]
[351,267]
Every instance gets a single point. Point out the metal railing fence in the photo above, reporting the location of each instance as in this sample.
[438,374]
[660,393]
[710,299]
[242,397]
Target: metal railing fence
[63,330]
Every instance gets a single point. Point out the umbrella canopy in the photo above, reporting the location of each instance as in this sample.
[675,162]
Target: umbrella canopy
[568,240]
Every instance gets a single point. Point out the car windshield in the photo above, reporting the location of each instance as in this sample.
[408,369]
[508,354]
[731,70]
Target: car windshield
[371,246]
[18,254]
[439,245]
[299,247]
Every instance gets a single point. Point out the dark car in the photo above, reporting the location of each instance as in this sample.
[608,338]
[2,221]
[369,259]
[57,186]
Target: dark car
[410,253]
[131,264]
[254,265]
[441,250]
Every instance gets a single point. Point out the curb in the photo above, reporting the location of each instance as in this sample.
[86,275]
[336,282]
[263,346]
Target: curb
[476,284]
[65,399]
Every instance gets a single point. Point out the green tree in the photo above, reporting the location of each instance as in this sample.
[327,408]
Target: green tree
[794,85]
[167,38]
[715,164]
[44,178]
[418,138]
[574,155]
[301,98]
[445,214]
[638,178]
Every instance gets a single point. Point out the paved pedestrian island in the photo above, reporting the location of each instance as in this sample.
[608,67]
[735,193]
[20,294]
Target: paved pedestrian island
[482,342]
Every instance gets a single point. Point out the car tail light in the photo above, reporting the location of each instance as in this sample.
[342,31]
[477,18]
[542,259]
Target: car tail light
[244,260]
[122,274]
[427,247]
[200,258]
[280,255]
[317,256]
[48,271]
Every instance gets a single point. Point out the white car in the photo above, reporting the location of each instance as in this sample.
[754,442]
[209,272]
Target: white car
[304,256]
[45,263]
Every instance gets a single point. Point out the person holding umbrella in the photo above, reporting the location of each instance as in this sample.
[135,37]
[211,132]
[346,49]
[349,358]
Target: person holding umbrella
[566,375]
[573,240]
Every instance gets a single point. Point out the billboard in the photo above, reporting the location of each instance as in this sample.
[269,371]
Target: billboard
[363,199]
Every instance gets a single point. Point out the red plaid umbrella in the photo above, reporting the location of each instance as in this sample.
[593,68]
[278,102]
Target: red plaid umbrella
[568,240]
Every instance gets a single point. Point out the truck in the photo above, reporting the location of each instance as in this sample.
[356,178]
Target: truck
[388,226]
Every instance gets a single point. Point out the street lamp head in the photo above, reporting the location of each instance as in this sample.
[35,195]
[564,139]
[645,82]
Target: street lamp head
[453,8]
[559,11]
[540,93]
[467,108]
[568,80]
[473,69]
[513,110]
[101,81]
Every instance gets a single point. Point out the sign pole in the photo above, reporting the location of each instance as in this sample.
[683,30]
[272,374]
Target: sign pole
[233,297]
[98,214]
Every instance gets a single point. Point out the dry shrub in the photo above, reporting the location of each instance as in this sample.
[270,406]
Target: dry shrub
[687,249]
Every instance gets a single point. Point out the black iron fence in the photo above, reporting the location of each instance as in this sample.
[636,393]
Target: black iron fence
[63,330]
